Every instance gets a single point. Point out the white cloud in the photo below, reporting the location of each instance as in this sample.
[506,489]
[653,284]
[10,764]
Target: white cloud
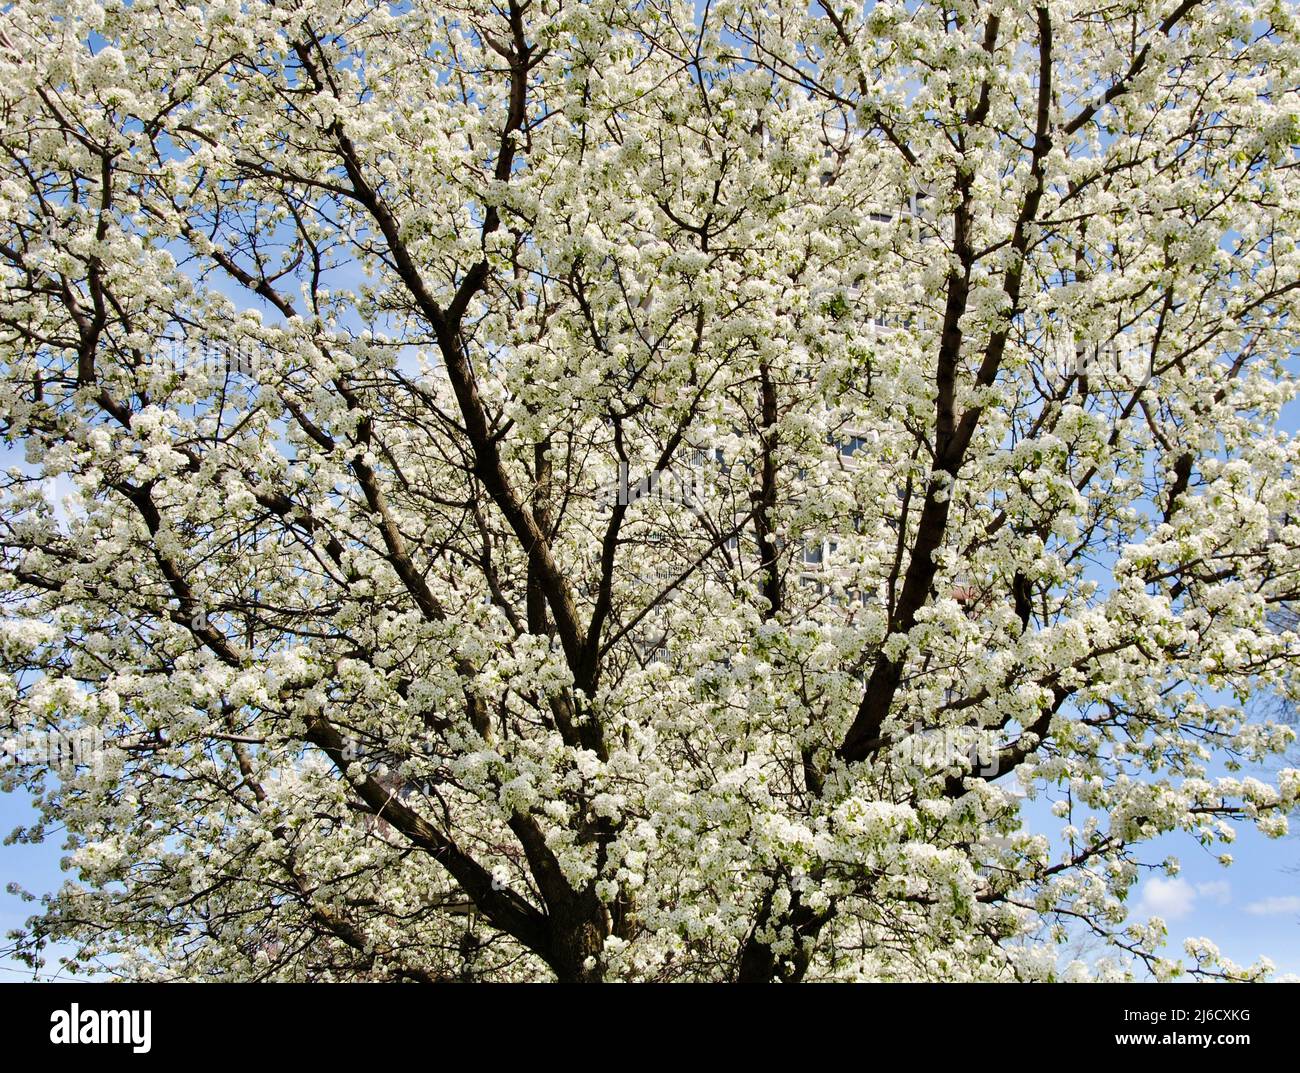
[1219,891]
[1277,906]
[1175,898]
[1167,898]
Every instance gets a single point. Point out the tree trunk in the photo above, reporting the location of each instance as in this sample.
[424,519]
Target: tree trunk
[578,932]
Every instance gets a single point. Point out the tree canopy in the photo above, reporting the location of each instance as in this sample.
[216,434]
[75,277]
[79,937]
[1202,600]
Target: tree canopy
[537,489]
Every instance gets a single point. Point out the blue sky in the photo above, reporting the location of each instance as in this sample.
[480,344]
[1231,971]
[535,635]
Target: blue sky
[35,868]
[1250,909]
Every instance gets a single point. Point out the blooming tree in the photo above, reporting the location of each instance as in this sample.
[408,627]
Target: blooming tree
[346,347]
